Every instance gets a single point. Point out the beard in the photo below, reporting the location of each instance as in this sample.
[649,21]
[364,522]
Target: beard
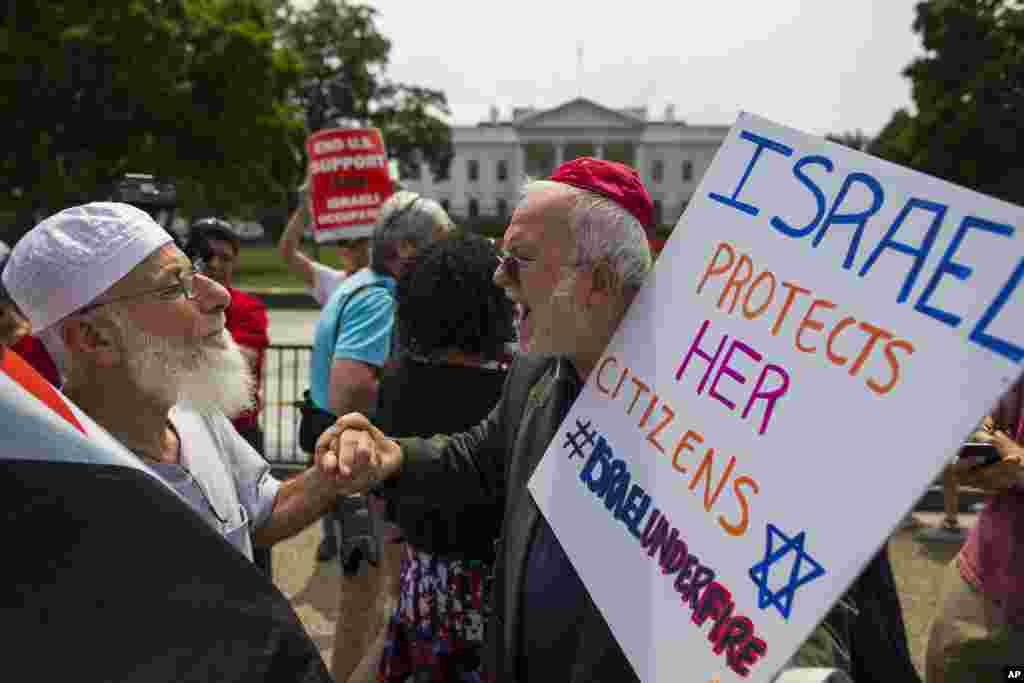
[560,326]
[211,375]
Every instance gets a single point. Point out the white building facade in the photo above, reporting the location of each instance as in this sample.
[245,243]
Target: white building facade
[492,158]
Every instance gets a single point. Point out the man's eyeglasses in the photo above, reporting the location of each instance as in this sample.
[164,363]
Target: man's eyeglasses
[185,286]
[513,265]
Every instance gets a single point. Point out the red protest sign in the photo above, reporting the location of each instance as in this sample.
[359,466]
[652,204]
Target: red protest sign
[349,180]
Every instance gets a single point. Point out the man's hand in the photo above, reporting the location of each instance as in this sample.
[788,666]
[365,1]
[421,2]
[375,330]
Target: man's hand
[356,455]
[998,477]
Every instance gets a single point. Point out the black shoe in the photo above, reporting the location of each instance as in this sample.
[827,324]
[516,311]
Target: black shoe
[327,550]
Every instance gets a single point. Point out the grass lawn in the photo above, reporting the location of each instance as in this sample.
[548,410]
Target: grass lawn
[261,266]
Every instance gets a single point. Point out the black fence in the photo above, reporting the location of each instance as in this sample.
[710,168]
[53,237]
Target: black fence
[285,377]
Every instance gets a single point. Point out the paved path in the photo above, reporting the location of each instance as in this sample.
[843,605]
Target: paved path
[290,326]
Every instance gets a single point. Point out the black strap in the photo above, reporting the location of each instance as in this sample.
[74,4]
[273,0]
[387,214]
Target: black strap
[351,295]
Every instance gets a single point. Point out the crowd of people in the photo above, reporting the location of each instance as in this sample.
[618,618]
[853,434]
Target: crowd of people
[441,368]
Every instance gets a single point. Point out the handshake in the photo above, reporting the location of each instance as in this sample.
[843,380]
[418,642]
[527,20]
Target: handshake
[355,456]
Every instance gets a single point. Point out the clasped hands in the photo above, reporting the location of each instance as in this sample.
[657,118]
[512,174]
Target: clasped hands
[355,456]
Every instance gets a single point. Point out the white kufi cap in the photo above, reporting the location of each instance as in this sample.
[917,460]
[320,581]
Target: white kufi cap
[65,262]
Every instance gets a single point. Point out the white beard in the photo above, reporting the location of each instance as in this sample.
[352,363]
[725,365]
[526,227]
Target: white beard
[557,326]
[211,379]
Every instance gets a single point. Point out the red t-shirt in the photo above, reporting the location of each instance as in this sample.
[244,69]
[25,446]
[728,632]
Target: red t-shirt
[246,320]
[36,355]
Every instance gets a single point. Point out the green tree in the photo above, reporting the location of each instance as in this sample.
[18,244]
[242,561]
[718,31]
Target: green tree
[968,89]
[193,89]
[855,140]
[345,59]
[895,141]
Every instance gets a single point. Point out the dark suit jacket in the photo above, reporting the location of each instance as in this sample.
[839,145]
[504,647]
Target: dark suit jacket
[494,461]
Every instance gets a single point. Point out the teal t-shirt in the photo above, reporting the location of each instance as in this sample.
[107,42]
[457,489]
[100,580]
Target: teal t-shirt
[363,335]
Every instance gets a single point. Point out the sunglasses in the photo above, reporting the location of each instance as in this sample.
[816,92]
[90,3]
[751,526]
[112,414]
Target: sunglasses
[513,265]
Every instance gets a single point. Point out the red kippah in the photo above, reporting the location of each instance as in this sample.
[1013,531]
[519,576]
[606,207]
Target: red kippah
[610,179]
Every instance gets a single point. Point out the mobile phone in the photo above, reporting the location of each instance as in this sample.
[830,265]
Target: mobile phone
[979,454]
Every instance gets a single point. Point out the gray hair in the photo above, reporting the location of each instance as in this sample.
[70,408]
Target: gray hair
[603,231]
[406,217]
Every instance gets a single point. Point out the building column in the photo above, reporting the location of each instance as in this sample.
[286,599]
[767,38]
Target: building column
[519,172]
[599,150]
[559,153]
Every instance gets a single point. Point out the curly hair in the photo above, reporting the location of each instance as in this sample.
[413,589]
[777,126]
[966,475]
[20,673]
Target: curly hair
[448,300]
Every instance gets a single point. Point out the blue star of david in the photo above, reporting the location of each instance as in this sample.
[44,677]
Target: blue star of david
[782,599]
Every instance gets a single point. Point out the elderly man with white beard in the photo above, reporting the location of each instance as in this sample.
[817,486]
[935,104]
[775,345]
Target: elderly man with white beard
[144,353]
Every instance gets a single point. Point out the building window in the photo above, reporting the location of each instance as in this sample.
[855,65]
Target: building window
[502,170]
[474,208]
[657,170]
[687,171]
[657,212]
[474,170]
[502,208]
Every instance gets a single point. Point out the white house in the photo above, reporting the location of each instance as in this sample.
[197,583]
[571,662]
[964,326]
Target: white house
[492,157]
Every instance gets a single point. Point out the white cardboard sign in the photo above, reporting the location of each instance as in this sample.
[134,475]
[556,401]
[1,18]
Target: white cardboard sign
[820,333]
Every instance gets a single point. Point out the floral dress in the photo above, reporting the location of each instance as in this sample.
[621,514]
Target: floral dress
[436,633]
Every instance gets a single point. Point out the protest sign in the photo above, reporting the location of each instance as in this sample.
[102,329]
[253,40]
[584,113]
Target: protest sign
[819,335]
[349,181]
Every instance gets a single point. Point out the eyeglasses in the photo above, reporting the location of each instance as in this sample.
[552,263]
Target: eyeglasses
[513,265]
[185,286]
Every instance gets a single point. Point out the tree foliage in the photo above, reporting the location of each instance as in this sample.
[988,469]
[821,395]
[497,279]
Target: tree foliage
[968,89]
[855,140]
[217,94]
[895,141]
[193,89]
[344,81]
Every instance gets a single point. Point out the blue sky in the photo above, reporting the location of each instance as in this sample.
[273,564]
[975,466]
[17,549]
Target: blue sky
[820,66]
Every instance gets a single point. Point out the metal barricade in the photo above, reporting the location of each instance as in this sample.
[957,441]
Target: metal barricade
[285,377]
